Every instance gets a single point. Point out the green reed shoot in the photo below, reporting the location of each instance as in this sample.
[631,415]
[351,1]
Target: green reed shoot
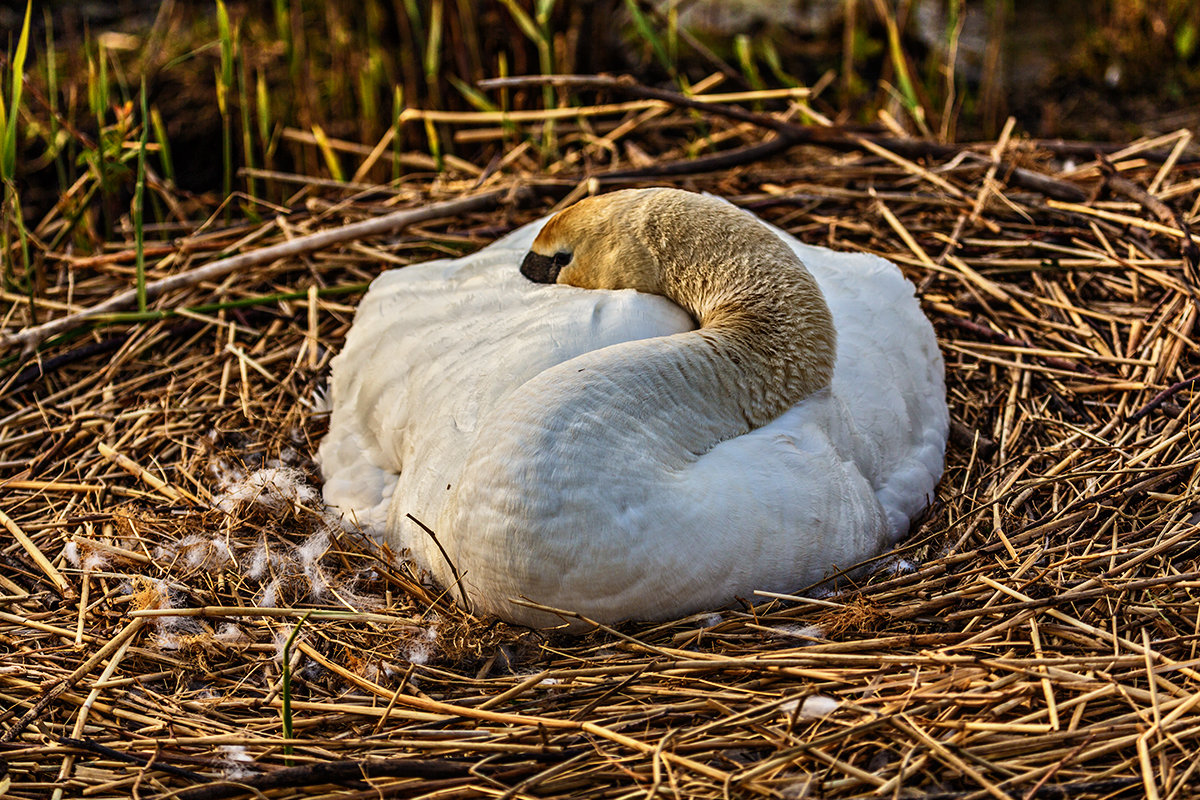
[412,12]
[774,63]
[502,71]
[538,31]
[267,138]
[98,94]
[8,117]
[397,129]
[646,29]
[368,80]
[139,196]
[247,131]
[907,90]
[472,95]
[262,107]
[283,31]
[224,88]
[745,57]
[332,162]
[433,45]
[52,139]
[285,712]
[435,144]
[954,23]
[8,151]
[164,146]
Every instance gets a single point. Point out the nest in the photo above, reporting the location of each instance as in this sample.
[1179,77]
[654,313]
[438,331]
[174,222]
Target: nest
[180,618]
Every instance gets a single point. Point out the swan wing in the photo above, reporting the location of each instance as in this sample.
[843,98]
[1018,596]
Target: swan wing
[889,376]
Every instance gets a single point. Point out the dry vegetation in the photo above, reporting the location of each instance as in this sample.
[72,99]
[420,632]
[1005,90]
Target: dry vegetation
[1036,636]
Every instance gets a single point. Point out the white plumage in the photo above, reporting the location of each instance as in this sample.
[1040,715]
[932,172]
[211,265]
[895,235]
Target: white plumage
[513,418]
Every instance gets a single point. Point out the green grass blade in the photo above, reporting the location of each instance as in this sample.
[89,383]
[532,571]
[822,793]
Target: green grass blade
[285,680]
[435,145]
[4,138]
[540,36]
[224,90]
[225,35]
[471,28]
[247,129]
[1186,37]
[23,236]
[433,48]
[543,10]
[55,145]
[107,139]
[397,130]
[139,196]
[775,64]
[369,81]
[164,146]
[745,56]
[283,32]
[12,206]
[472,95]
[11,201]
[332,162]
[907,90]
[523,20]
[262,105]
[413,11]
[8,122]
[73,218]
[646,30]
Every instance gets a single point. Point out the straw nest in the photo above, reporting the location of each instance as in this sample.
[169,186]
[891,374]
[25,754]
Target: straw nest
[1036,636]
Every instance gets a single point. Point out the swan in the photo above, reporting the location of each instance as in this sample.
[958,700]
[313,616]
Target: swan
[646,405]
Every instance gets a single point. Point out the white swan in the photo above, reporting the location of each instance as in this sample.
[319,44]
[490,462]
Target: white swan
[594,451]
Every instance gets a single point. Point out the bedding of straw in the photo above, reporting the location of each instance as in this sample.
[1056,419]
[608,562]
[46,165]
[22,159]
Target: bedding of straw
[1035,636]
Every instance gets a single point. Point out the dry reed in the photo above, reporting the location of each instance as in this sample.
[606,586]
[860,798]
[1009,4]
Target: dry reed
[1036,636]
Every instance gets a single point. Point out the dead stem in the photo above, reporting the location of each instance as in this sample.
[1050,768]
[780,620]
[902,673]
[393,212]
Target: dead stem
[1035,636]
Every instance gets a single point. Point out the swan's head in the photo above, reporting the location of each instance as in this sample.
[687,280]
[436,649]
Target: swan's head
[592,245]
[746,288]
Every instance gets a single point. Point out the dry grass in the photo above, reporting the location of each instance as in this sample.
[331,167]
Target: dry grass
[1035,637]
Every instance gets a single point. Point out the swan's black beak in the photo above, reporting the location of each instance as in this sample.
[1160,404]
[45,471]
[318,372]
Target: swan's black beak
[540,268]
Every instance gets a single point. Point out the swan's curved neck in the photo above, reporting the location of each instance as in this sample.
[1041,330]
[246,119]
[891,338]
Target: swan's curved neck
[762,318]
[766,335]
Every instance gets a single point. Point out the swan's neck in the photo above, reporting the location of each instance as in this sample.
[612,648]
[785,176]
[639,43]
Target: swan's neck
[766,336]
[764,326]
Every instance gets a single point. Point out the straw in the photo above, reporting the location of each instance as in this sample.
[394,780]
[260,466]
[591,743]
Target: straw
[1035,636]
